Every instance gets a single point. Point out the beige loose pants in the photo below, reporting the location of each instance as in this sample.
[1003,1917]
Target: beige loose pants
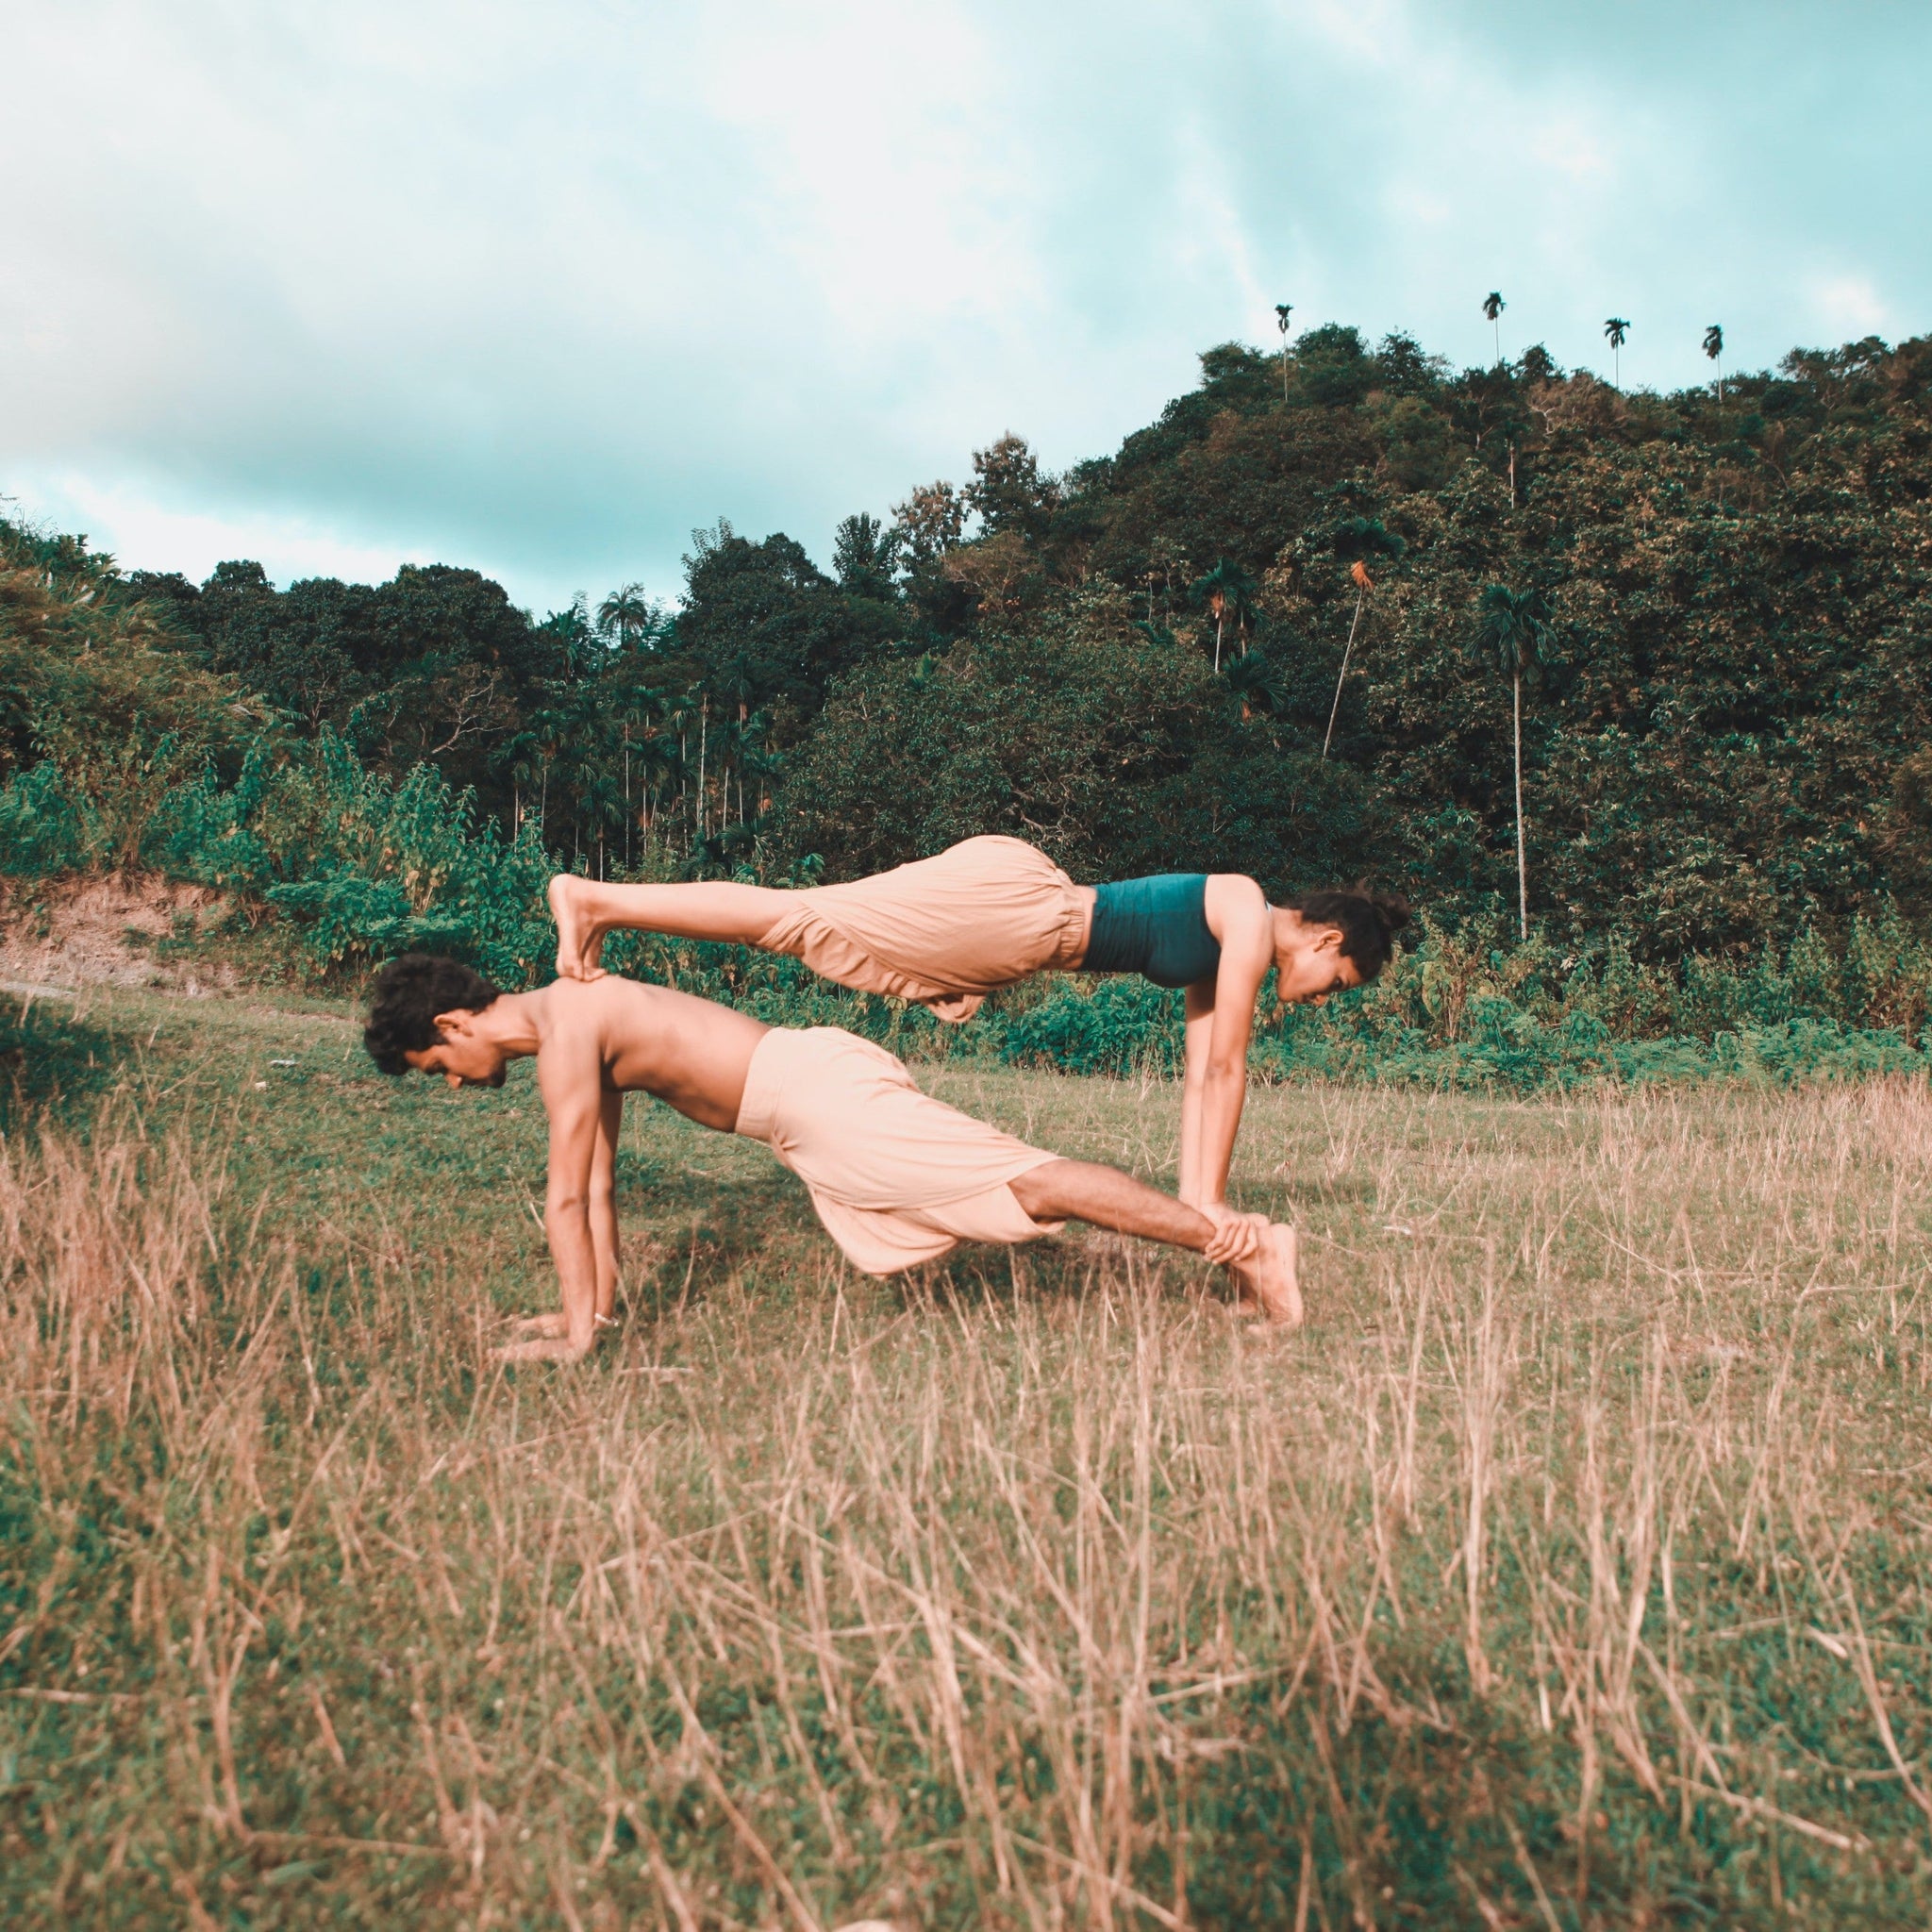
[897,1178]
[979,915]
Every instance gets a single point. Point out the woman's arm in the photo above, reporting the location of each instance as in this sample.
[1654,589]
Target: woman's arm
[1221,1020]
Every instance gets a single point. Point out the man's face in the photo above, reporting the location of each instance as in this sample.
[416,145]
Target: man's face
[463,1057]
[1308,974]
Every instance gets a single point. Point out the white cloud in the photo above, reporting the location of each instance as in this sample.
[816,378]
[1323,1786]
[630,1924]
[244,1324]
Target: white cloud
[146,533]
[550,286]
[1848,306]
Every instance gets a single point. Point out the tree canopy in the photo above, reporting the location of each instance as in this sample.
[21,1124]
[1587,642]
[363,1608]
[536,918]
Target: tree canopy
[1732,584]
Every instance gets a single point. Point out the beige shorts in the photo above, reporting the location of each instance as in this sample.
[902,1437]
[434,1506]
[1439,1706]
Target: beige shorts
[896,1176]
[982,914]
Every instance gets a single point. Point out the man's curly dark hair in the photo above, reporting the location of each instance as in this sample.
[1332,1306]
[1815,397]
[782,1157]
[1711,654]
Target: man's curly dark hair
[408,994]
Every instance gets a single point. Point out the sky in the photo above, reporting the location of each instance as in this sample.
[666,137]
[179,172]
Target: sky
[540,289]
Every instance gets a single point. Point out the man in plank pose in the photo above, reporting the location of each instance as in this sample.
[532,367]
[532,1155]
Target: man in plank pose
[896,1176]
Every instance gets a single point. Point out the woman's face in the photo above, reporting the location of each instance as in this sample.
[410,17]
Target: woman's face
[1311,965]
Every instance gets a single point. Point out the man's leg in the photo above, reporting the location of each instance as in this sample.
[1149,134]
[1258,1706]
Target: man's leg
[586,909]
[1082,1190]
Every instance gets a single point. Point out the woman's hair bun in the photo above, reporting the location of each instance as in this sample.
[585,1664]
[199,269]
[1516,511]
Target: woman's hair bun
[1393,908]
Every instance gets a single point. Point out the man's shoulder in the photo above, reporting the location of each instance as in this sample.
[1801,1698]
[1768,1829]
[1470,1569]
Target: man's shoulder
[577,1011]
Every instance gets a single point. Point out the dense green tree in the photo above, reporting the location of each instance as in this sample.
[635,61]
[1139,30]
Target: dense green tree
[1009,491]
[1331,365]
[1117,752]
[768,629]
[865,559]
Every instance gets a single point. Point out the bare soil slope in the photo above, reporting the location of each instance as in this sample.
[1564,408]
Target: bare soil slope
[104,930]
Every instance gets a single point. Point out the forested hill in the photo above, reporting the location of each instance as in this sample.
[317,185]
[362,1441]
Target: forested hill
[1721,606]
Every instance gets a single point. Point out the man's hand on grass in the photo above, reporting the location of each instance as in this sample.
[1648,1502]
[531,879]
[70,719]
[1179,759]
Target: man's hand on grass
[545,1349]
[554,1326]
[546,1338]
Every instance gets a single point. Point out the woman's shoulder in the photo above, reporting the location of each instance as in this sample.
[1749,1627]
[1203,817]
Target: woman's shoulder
[1233,892]
[1236,910]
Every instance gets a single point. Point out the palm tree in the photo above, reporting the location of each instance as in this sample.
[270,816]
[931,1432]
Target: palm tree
[1615,329]
[1358,538]
[1493,306]
[1228,591]
[625,614]
[1282,311]
[1714,348]
[1260,680]
[1358,575]
[1513,632]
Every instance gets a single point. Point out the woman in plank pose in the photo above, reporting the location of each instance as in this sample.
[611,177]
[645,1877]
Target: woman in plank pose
[945,931]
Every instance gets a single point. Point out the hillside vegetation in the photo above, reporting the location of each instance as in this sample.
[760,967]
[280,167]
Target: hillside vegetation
[1727,765]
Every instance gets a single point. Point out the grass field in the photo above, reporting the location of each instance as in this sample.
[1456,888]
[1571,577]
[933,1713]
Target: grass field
[1569,1569]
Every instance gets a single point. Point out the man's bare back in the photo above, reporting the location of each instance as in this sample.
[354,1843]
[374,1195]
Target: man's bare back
[625,1037]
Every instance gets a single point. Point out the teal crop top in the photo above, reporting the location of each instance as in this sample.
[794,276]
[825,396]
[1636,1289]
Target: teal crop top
[1155,926]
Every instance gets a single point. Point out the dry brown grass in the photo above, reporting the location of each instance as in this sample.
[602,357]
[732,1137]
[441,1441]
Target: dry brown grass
[1569,1569]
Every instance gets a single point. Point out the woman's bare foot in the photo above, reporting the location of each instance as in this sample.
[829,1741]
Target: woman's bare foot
[579,938]
[550,1328]
[1273,1277]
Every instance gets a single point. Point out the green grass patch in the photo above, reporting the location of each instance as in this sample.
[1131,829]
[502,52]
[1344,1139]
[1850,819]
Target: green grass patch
[1569,1567]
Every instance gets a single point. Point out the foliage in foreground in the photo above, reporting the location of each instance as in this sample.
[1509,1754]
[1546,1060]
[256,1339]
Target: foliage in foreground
[1569,1570]
[352,867]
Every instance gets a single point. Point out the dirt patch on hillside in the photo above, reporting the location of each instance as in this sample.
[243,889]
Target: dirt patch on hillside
[104,931]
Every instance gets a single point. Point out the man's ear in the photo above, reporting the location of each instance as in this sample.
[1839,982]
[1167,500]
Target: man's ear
[459,1024]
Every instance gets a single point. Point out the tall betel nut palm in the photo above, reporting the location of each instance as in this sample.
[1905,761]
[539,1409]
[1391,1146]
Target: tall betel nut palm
[1714,348]
[1493,306]
[1358,538]
[1615,329]
[1513,632]
[1282,311]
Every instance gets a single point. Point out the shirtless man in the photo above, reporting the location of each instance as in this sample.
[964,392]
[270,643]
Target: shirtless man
[896,1176]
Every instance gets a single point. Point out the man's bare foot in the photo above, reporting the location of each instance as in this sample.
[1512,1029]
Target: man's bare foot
[1273,1277]
[579,938]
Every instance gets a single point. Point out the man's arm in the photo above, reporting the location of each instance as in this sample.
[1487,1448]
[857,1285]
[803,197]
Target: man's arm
[570,1076]
[604,1241]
